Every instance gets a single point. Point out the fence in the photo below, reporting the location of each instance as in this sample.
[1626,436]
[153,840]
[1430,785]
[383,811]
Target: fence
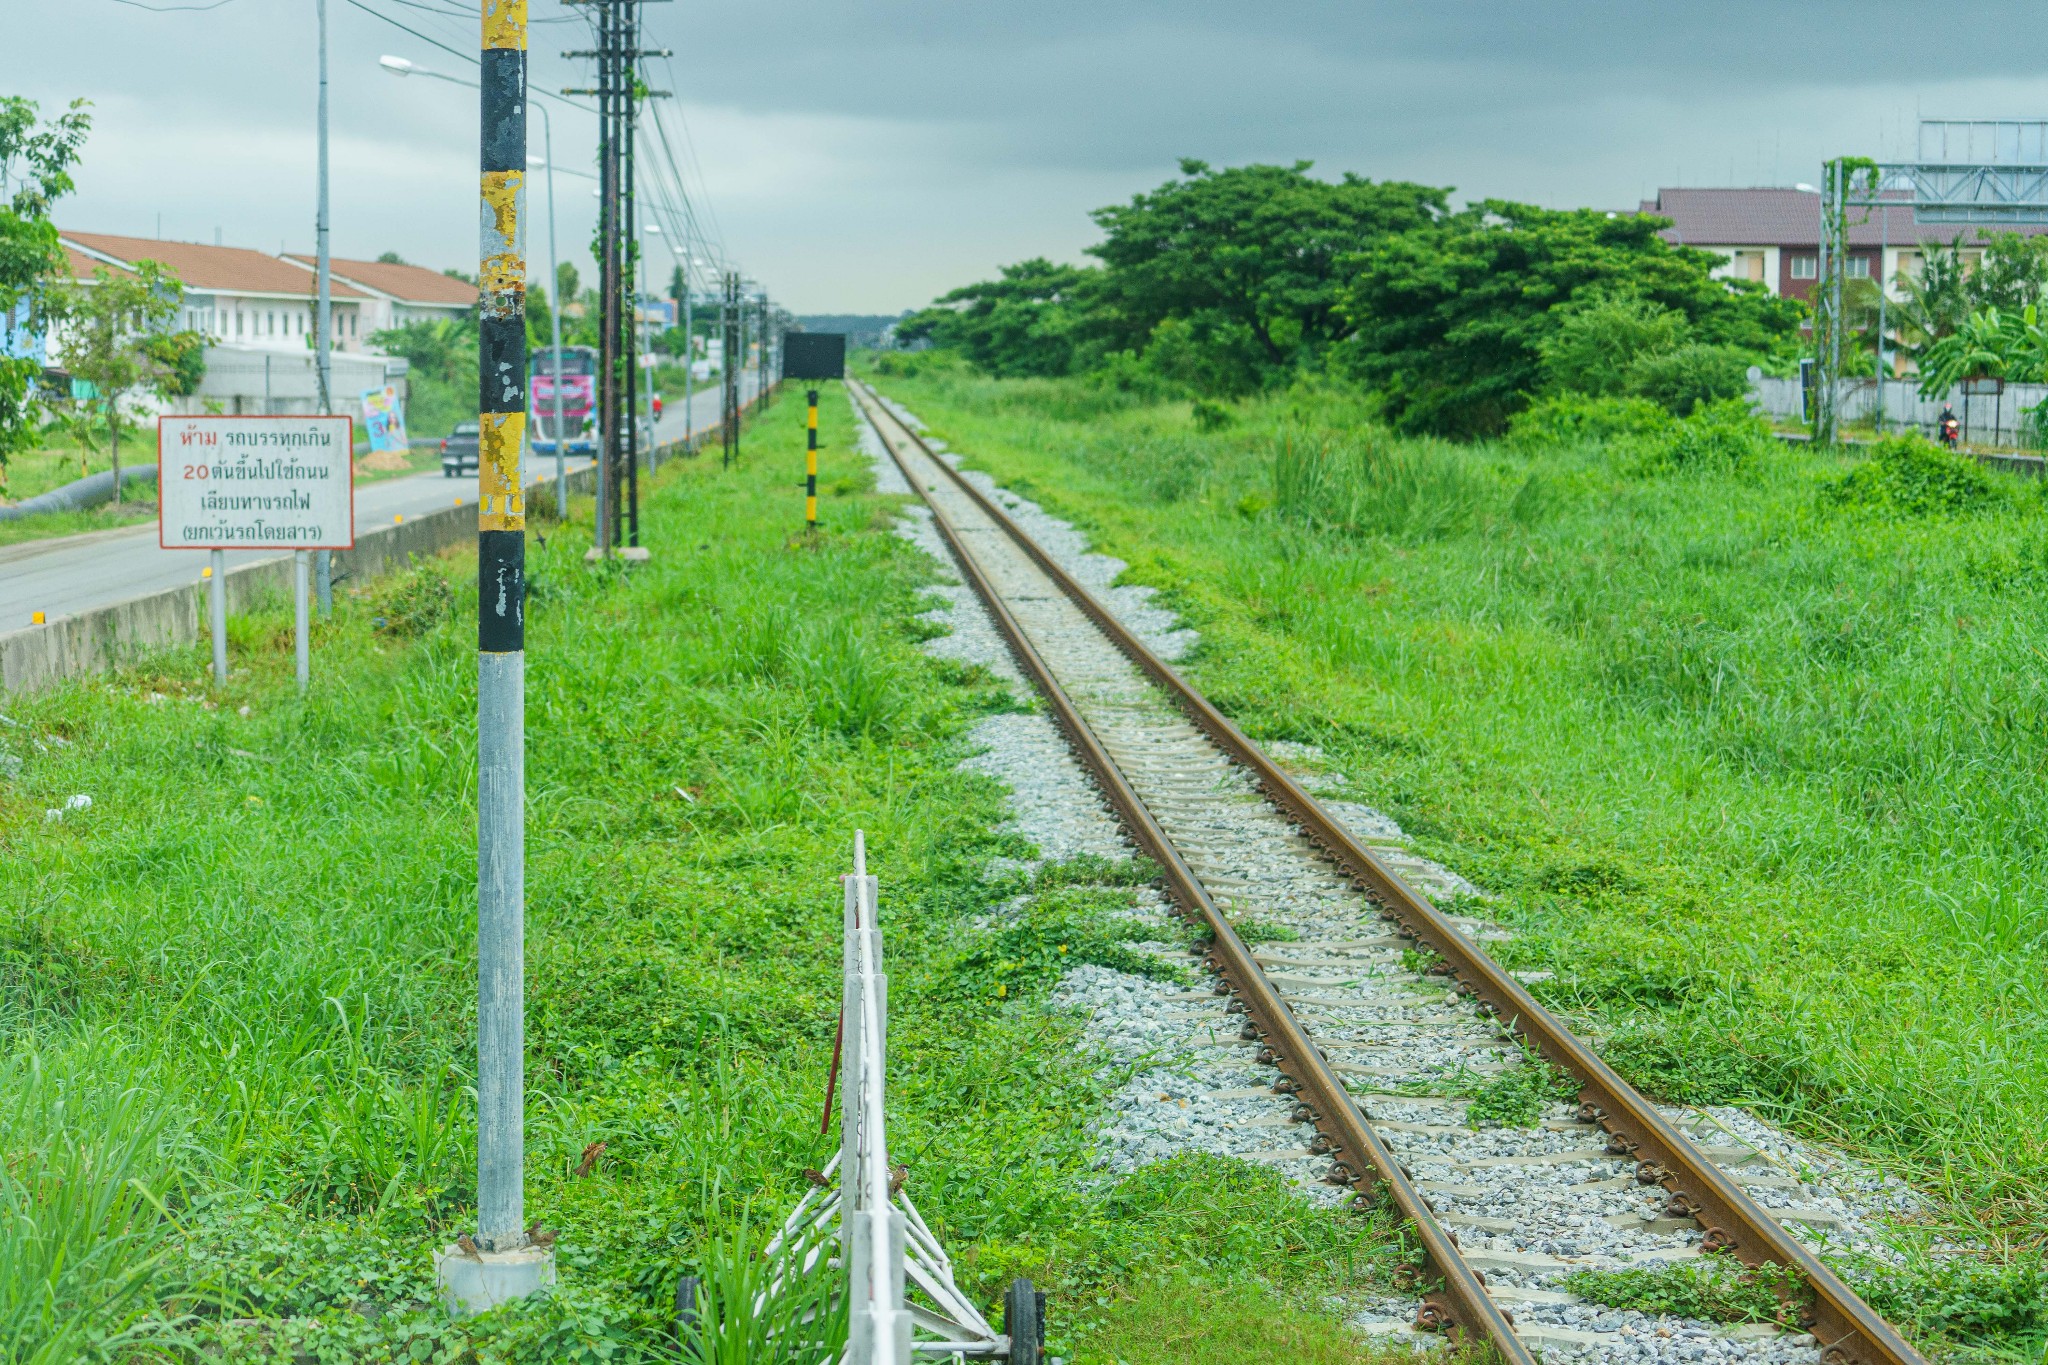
[1987,418]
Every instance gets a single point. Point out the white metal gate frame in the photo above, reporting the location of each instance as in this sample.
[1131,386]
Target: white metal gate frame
[884,1246]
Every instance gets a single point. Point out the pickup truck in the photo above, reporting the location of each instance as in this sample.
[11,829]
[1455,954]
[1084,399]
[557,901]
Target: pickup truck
[459,451]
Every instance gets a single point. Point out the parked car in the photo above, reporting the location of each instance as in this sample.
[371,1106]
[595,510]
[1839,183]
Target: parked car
[459,451]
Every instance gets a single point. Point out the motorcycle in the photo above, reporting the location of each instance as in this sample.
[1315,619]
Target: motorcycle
[1951,432]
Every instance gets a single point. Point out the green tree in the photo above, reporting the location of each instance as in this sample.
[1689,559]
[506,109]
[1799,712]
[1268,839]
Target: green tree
[441,379]
[1691,376]
[391,258]
[35,161]
[1023,323]
[1596,342]
[1247,255]
[2012,275]
[117,337]
[1451,317]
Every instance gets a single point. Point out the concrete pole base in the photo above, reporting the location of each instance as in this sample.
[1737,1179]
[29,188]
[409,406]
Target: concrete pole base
[472,1284]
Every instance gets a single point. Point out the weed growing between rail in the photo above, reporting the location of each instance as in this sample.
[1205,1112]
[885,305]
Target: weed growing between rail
[237,991]
[1747,739]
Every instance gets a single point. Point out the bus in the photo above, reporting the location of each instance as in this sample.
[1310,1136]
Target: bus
[578,389]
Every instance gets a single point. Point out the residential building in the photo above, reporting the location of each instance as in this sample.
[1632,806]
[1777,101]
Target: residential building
[1773,236]
[236,296]
[257,310]
[395,293]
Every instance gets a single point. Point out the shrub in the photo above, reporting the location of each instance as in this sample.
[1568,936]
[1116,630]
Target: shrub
[1690,376]
[411,603]
[1567,419]
[1910,476]
[1725,435]
[1211,416]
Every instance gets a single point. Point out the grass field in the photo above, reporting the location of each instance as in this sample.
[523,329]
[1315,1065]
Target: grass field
[236,992]
[1752,756]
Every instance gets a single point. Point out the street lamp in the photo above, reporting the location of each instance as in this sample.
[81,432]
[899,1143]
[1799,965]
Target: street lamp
[689,340]
[400,66]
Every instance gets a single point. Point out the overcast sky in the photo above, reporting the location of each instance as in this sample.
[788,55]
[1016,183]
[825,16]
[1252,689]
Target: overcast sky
[866,156]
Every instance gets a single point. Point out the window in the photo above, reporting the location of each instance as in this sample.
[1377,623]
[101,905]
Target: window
[1805,267]
[1859,267]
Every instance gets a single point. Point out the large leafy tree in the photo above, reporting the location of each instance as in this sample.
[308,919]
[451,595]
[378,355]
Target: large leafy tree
[1246,255]
[1026,322]
[35,162]
[1450,319]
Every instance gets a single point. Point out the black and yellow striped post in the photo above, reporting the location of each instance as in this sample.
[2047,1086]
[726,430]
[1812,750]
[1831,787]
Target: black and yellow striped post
[500,1263]
[811,463]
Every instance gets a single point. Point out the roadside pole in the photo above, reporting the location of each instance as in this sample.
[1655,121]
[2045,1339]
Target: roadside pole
[811,463]
[689,355]
[323,318]
[217,612]
[302,645]
[501,1262]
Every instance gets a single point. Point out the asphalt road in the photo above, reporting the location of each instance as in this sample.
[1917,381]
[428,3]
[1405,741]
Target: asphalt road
[72,574]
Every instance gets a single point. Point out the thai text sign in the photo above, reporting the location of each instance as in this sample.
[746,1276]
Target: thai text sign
[255,483]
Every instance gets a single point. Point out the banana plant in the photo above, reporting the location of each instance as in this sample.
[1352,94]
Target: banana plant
[1988,345]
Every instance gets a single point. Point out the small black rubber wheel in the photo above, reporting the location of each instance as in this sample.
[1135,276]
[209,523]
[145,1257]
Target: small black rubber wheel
[686,1308]
[1024,1323]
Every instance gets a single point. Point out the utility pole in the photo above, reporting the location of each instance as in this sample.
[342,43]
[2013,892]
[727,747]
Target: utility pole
[618,99]
[629,240]
[689,355]
[323,316]
[501,1262]
[761,360]
[729,368]
[609,285]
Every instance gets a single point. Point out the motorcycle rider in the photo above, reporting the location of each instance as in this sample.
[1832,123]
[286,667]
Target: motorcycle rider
[1948,428]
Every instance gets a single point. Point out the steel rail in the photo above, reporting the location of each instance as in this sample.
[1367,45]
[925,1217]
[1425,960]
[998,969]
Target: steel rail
[1461,1305]
[1848,1330]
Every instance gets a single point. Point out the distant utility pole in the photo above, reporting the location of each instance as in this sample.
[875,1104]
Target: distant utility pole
[323,318]
[761,362]
[501,1262]
[729,367]
[618,93]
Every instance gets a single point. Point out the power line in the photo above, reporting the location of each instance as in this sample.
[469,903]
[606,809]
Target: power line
[469,57]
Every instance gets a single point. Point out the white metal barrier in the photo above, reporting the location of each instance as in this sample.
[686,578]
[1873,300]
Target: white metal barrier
[901,1298]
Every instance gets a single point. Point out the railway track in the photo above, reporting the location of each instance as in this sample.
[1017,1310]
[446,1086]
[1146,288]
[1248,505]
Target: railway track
[1350,1025]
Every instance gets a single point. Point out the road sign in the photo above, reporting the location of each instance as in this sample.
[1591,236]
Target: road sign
[255,483]
[814,355]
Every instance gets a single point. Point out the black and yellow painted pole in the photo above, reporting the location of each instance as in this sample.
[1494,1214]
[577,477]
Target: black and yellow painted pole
[500,1262]
[811,463]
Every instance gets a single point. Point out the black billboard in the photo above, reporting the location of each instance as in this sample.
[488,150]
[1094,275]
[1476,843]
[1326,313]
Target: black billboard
[814,355]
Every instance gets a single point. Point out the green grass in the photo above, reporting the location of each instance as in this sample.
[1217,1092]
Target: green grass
[1754,765]
[237,993]
[105,517]
[1175,1320]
